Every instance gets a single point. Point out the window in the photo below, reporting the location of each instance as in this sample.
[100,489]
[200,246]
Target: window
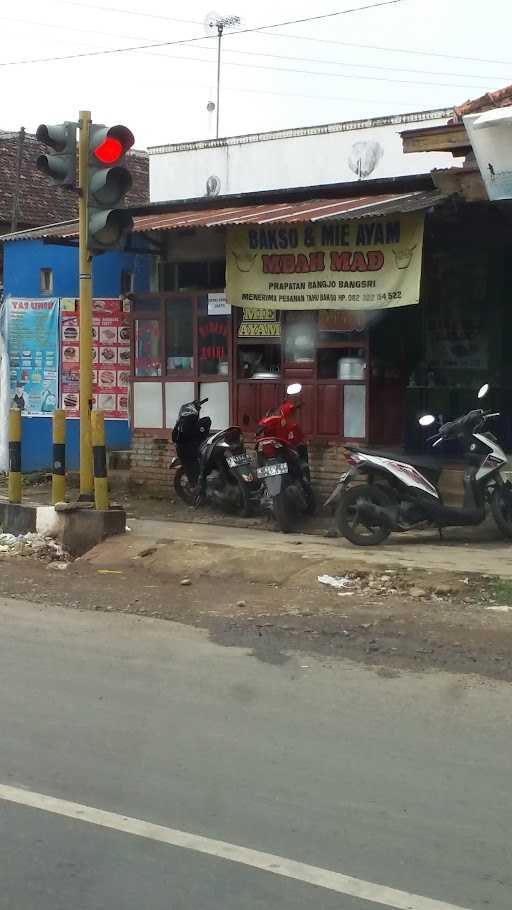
[46,280]
[181,351]
[345,363]
[212,341]
[301,331]
[192,276]
[126,282]
[147,347]
[258,343]
[179,334]
[217,275]
[166,276]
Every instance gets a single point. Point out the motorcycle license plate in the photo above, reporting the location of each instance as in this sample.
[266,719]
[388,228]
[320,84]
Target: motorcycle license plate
[270,470]
[235,460]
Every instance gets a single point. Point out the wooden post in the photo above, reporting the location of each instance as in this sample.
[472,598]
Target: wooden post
[17,182]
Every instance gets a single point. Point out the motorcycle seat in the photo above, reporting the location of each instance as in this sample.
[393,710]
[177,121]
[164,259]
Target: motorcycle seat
[422,462]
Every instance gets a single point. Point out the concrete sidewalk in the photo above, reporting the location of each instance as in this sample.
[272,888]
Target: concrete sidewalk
[487,554]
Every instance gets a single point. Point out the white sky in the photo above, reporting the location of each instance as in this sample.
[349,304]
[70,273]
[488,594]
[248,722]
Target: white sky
[162,93]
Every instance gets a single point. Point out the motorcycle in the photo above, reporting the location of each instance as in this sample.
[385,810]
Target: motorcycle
[212,468]
[402,492]
[283,463]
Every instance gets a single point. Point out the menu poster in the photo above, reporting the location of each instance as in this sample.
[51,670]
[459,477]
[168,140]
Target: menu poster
[32,333]
[111,359]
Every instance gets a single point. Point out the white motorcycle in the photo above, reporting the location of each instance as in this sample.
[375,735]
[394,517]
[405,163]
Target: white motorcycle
[401,493]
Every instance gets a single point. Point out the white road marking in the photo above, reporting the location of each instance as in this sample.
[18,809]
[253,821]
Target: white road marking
[266,862]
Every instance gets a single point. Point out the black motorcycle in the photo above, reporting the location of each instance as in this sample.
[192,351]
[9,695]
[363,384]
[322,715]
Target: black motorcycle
[215,469]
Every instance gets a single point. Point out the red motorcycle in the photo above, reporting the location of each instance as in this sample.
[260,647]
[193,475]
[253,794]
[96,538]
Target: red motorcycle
[283,464]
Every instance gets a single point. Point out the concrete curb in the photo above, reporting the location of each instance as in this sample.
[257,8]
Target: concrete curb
[77,529]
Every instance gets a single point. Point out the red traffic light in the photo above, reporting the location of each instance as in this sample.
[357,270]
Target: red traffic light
[108,146]
[110,151]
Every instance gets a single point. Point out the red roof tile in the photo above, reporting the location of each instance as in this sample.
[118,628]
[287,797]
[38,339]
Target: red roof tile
[501,98]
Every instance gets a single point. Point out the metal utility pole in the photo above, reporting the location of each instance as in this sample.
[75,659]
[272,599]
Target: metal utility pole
[220,23]
[220,29]
[85,271]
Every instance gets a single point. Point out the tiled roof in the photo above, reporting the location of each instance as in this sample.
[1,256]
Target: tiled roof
[501,98]
[42,203]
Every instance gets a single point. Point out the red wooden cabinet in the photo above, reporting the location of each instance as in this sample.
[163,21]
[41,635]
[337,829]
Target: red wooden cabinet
[306,415]
[329,407]
[253,400]
[387,412]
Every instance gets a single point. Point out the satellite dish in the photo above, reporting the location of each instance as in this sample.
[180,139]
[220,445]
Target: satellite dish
[210,22]
[213,185]
[364,158]
[210,107]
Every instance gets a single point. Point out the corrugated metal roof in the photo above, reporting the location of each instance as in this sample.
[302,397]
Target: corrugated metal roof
[289,212]
[270,213]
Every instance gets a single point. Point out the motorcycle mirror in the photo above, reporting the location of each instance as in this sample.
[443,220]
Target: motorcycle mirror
[427,420]
[294,389]
[482,391]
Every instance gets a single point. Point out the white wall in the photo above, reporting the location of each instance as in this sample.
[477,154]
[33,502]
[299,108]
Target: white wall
[293,158]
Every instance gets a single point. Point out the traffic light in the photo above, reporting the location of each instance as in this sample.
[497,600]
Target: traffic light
[109,181]
[61,166]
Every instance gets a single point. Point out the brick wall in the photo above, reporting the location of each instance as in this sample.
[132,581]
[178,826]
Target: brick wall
[150,464]
[327,463]
[151,458]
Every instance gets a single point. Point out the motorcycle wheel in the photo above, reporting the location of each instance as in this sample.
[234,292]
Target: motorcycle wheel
[348,522]
[309,494]
[186,491]
[246,508]
[284,512]
[501,507]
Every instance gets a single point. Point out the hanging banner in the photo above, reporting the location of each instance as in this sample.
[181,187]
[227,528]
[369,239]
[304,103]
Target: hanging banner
[33,351]
[111,359]
[334,265]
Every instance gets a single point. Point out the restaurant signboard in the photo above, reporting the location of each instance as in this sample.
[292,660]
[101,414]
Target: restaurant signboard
[366,264]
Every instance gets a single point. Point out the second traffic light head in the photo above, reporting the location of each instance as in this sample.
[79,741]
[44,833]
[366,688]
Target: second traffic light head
[60,166]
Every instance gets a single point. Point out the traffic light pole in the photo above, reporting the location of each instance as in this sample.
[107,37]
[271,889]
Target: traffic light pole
[86,474]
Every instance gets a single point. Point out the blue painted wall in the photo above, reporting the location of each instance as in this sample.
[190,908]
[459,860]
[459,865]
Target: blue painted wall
[23,260]
[36,442]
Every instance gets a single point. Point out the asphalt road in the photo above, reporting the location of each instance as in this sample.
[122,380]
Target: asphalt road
[390,783]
